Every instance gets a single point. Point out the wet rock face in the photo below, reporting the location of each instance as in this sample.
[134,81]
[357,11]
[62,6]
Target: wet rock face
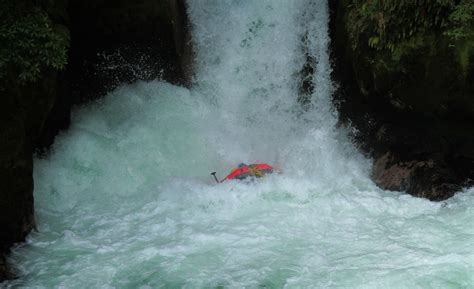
[430,160]
[23,115]
[423,159]
[422,178]
[4,270]
[412,106]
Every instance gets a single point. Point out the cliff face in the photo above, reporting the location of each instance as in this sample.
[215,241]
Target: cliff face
[150,40]
[407,86]
[23,115]
[113,42]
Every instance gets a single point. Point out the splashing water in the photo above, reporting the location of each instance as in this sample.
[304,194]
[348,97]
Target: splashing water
[126,201]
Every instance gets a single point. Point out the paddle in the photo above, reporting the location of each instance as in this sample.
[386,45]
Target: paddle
[214,175]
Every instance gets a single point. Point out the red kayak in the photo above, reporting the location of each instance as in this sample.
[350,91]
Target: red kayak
[244,171]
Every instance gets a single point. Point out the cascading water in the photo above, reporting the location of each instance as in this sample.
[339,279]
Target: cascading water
[126,201]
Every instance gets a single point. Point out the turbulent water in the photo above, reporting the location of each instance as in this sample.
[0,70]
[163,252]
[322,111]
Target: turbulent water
[126,200]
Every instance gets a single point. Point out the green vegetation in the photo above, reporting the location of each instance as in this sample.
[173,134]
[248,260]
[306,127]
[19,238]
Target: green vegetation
[462,21]
[385,23]
[29,42]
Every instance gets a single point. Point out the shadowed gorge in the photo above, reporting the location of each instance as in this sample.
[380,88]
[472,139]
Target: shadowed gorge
[406,70]
[123,198]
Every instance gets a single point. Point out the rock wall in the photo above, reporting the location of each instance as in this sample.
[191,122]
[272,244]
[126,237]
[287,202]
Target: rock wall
[114,42]
[23,115]
[412,104]
[149,40]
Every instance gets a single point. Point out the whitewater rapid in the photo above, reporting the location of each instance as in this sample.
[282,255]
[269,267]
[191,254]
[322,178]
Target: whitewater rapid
[125,199]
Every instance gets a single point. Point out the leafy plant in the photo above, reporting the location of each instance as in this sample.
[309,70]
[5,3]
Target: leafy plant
[385,23]
[29,42]
[462,20]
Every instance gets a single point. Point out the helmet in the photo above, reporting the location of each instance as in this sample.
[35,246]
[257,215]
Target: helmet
[241,165]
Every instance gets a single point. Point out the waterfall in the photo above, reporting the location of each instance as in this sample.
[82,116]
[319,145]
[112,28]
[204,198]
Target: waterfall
[125,200]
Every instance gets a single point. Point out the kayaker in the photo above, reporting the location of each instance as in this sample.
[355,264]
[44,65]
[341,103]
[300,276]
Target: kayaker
[244,171]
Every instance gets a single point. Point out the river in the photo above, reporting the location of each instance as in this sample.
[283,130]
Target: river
[125,199]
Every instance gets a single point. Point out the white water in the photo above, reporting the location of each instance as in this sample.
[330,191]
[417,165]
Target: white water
[126,200]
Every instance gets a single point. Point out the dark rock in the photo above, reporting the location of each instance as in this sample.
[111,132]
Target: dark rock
[115,42]
[422,178]
[22,117]
[5,272]
[306,87]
